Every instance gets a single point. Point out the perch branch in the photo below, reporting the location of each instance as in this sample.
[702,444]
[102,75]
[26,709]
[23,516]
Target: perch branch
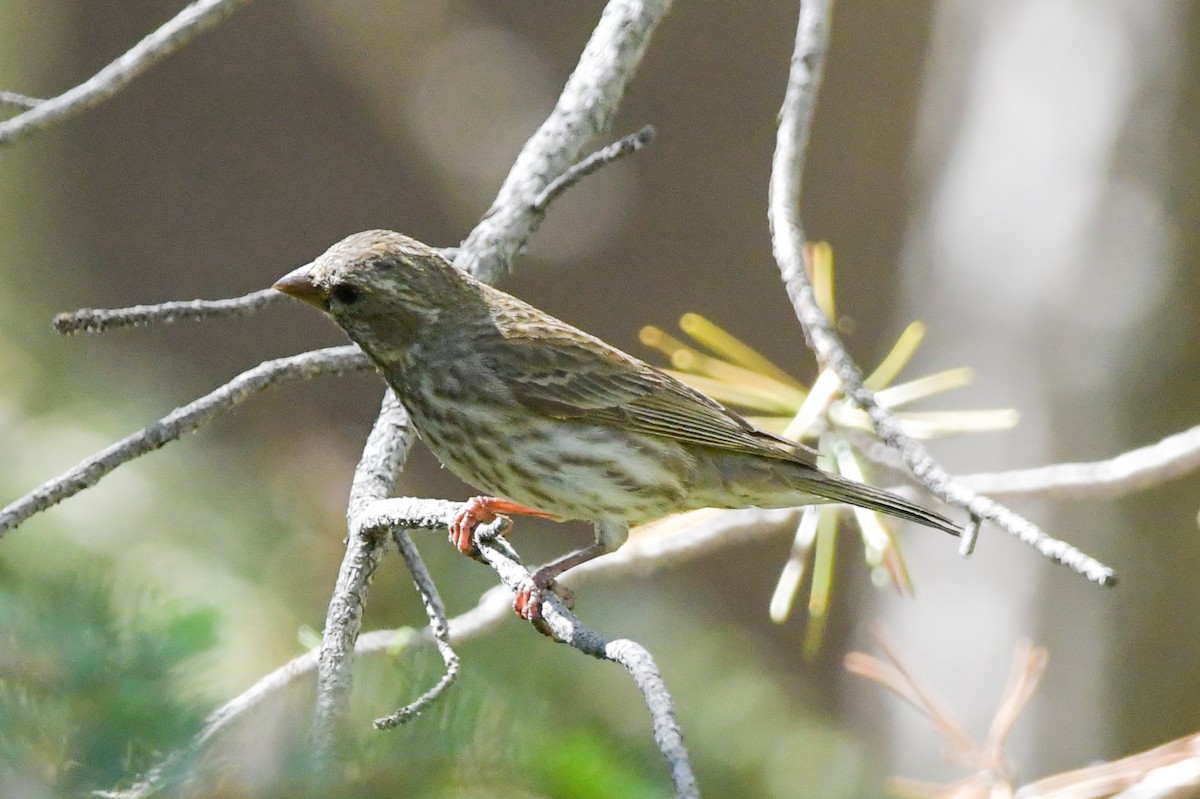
[567,628]
[411,513]
[19,100]
[173,34]
[787,239]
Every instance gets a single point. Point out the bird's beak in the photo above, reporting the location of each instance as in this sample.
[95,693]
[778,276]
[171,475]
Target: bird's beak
[298,284]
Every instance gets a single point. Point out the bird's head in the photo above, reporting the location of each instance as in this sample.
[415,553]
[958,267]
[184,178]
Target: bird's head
[380,286]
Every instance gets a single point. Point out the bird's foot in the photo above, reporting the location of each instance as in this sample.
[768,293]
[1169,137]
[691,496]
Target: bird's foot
[484,510]
[528,602]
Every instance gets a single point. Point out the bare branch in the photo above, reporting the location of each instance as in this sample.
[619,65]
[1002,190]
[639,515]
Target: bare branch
[19,100]
[410,513]
[439,627]
[375,477]
[787,238]
[1172,457]
[98,320]
[585,109]
[196,17]
[333,360]
[593,163]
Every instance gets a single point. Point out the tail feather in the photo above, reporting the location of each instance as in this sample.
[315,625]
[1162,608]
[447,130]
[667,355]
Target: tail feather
[839,489]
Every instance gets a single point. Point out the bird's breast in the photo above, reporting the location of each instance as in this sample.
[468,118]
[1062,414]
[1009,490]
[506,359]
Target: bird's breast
[572,469]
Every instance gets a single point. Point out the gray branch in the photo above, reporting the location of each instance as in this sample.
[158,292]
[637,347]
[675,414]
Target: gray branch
[334,360]
[593,163]
[439,627]
[1172,457]
[19,100]
[196,17]
[787,238]
[374,479]
[98,320]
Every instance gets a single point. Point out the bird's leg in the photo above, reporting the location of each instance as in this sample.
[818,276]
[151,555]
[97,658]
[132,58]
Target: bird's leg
[528,603]
[483,510]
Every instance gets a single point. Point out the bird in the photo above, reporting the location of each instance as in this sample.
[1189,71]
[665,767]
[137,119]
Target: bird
[548,420]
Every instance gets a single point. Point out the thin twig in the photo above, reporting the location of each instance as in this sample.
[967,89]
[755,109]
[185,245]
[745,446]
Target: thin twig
[1137,469]
[787,239]
[593,163]
[98,320]
[19,100]
[439,627]
[584,110]
[173,34]
[333,360]
[375,477]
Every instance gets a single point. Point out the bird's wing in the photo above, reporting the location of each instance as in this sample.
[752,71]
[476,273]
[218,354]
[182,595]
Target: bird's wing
[567,374]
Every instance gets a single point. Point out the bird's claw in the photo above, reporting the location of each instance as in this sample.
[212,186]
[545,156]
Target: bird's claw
[483,510]
[528,602]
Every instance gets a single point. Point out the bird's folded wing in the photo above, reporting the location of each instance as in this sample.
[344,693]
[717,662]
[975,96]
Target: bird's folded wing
[579,377]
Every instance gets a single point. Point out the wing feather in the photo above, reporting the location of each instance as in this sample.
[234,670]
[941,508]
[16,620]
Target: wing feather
[567,374]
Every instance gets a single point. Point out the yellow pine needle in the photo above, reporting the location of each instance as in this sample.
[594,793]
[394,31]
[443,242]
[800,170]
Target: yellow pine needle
[931,424]
[822,582]
[792,575]
[898,358]
[772,424]
[820,259]
[876,534]
[895,571]
[734,394]
[661,340]
[732,348]
[822,393]
[689,360]
[902,393]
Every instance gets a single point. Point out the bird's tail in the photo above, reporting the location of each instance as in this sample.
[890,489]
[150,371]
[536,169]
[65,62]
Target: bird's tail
[840,489]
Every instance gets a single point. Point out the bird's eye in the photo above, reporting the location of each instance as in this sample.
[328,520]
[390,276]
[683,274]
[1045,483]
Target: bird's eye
[346,294]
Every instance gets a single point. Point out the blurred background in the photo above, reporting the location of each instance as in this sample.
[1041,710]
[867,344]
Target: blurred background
[1021,175]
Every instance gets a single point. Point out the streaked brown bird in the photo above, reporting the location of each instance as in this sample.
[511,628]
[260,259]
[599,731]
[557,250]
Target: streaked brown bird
[550,420]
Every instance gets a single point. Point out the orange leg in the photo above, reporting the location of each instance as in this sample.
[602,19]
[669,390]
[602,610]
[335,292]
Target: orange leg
[483,510]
